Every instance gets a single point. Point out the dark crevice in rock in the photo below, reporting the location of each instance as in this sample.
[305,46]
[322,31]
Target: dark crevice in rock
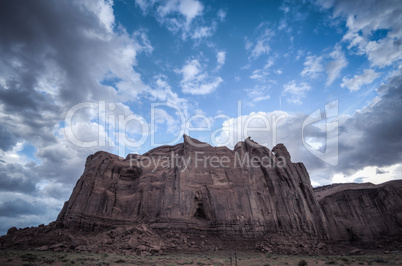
[200,212]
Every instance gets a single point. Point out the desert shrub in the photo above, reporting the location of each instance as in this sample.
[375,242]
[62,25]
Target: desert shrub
[380,260]
[187,262]
[302,263]
[49,261]
[29,257]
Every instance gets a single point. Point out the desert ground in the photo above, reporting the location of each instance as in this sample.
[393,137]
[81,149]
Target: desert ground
[18,257]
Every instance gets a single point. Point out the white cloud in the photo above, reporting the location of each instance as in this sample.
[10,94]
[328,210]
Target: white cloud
[296,92]
[178,16]
[369,174]
[282,24]
[365,21]
[355,83]
[239,128]
[190,9]
[248,44]
[261,98]
[258,74]
[221,14]
[334,63]
[335,66]
[205,88]
[196,81]
[312,67]
[104,11]
[163,117]
[258,93]
[203,32]
[269,63]
[14,155]
[162,91]
[299,54]
[261,74]
[261,46]
[145,4]
[220,59]
[385,52]
[191,70]
[142,38]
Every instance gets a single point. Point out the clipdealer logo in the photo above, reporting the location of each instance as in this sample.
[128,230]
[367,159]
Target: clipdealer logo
[110,123]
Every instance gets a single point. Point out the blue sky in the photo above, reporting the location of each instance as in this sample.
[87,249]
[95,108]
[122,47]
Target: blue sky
[127,75]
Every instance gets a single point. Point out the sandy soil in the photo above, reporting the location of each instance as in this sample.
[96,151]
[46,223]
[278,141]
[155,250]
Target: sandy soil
[17,257]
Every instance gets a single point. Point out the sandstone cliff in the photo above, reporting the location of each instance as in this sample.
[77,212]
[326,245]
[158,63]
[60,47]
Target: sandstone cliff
[249,191]
[362,211]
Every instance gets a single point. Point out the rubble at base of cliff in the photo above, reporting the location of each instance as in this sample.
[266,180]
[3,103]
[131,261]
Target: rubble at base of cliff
[141,240]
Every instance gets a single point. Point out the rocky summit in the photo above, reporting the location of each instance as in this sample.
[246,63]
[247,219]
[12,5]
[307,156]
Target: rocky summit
[193,196]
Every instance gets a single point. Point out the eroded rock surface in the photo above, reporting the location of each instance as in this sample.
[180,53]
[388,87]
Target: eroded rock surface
[362,212]
[247,192]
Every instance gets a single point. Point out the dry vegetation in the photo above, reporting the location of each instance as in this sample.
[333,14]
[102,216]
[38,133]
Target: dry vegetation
[17,257]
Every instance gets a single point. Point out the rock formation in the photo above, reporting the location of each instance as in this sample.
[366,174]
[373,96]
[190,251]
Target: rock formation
[194,196]
[362,212]
[249,191]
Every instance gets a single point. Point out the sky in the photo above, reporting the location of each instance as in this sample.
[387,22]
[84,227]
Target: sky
[323,77]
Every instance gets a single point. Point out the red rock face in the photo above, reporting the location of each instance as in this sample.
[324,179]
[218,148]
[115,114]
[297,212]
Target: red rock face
[362,211]
[192,186]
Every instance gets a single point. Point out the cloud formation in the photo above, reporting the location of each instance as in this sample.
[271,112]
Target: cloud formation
[312,67]
[261,45]
[195,80]
[258,93]
[334,62]
[220,59]
[185,17]
[377,142]
[296,92]
[334,67]
[188,9]
[374,28]
[355,83]
[48,66]
[368,140]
